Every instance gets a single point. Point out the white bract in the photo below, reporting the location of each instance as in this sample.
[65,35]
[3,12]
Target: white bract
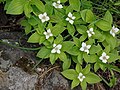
[70,18]
[48,34]
[113,31]
[90,32]
[81,77]
[43,17]
[56,48]
[104,57]
[57,4]
[85,47]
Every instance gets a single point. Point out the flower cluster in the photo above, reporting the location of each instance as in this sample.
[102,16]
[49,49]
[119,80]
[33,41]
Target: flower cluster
[85,47]
[81,77]
[113,31]
[56,48]
[48,34]
[57,4]
[70,18]
[90,32]
[104,57]
[43,17]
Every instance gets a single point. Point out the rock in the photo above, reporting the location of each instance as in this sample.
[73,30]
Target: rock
[20,80]
[3,80]
[54,81]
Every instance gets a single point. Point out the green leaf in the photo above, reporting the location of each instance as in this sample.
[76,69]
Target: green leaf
[75,4]
[7,4]
[80,58]
[83,37]
[87,15]
[43,52]
[81,29]
[32,21]
[53,58]
[49,8]
[95,49]
[86,70]
[42,39]
[34,38]
[98,35]
[117,3]
[57,29]
[51,39]
[108,17]
[69,9]
[74,58]
[27,26]
[77,41]
[103,67]
[77,15]
[27,9]
[66,64]
[90,41]
[67,44]
[83,85]
[92,78]
[86,4]
[103,25]
[111,40]
[71,29]
[73,51]
[39,5]
[16,7]
[96,67]
[75,83]
[70,74]
[86,57]
[62,56]
[90,58]
[93,58]
[78,68]
[113,57]
[107,49]
[58,40]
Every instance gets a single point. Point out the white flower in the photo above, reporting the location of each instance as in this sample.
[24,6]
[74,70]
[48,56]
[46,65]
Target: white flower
[48,34]
[56,48]
[113,31]
[70,18]
[90,32]
[85,47]
[81,77]
[57,4]
[104,57]
[44,17]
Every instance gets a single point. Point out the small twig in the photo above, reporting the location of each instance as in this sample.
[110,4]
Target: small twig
[37,64]
[48,71]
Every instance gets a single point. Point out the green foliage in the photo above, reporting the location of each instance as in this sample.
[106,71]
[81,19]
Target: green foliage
[16,7]
[70,43]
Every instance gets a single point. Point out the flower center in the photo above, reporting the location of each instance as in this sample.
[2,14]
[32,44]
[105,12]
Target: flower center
[44,17]
[85,48]
[90,32]
[104,58]
[48,34]
[56,48]
[113,30]
[57,4]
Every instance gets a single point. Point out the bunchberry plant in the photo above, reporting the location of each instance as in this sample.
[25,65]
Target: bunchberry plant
[69,31]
